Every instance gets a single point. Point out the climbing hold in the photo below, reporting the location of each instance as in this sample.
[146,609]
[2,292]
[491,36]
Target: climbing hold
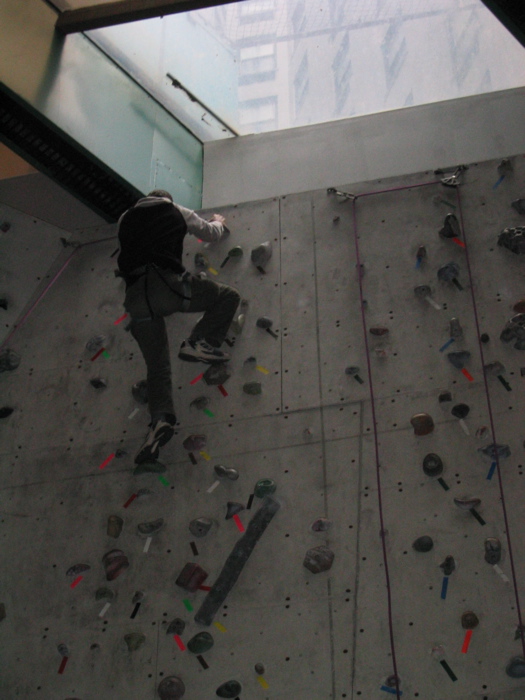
[233,508]
[321,525]
[518,205]
[448,566]
[261,255]
[77,569]
[423,544]
[423,291]
[379,330]
[444,396]
[216,375]
[120,453]
[252,388]
[238,324]
[3,303]
[115,524]
[259,669]
[484,337]
[265,487]
[455,329]
[115,562]
[353,371]
[266,323]
[318,559]
[492,550]
[469,620]
[5,226]
[451,227]
[6,411]
[200,643]
[9,360]
[432,464]
[144,493]
[98,383]
[513,238]
[95,343]
[421,255]
[235,253]
[230,689]
[200,403]
[176,626]
[191,577]
[138,597]
[422,423]
[150,528]
[201,262]
[200,527]
[194,442]
[458,359]
[449,273]
[461,411]
[495,450]
[226,472]
[3,614]
[104,594]
[516,667]
[171,688]
[467,502]
[134,640]
[140,392]
[152,467]
[63,650]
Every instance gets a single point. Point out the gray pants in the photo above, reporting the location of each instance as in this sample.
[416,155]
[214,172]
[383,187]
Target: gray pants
[154,296]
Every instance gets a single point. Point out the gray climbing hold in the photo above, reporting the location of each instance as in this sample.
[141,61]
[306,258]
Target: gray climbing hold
[469,620]
[458,359]
[115,562]
[9,360]
[3,303]
[261,255]
[144,493]
[259,669]
[321,525]
[6,411]
[455,329]
[176,626]
[516,667]
[252,388]
[423,544]
[444,396]
[226,472]
[201,262]
[120,453]
[492,550]
[230,689]
[150,528]
[379,330]
[115,524]
[513,238]
[319,559]
[233,508]
[138,597]
[194,442]
[216,375]
[449,273]
[200,643]
[99,383]
[265,487]
[264,322]
[200,527]
[422,423]
[448,566]
[191,577]
[134,640]
[252,361]
[496,450]
[451,228]
[200,403]
[423,291]
[152,467]
[238,324]
[95,343]
[494,368]
[518,205]
[236,253]
[432,464]
[171,688]
[467,502]
[77,569]
[353,371]
[63,650]
[104,594]
[140,392]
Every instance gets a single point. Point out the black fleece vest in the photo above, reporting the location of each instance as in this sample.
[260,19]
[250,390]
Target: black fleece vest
[152,234]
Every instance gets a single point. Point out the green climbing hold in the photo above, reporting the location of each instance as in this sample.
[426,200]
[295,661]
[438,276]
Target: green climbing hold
[265,487]
[201,642]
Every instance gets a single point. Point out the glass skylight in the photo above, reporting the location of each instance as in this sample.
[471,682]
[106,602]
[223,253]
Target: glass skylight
[260,65]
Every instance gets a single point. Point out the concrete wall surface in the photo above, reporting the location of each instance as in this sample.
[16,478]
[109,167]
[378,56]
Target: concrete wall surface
[336,448]
[386,144]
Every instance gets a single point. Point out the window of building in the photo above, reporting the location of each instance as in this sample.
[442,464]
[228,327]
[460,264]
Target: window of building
[342,70]
[258,115]
[256,11]
[257,63]
[301,83]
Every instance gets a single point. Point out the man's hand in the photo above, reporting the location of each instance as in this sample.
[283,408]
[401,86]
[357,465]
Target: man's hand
[219,218]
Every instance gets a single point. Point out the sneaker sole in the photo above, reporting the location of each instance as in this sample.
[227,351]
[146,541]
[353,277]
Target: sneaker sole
[151,452]
[205,360]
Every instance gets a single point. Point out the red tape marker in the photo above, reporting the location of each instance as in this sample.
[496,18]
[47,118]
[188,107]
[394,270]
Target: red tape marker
[108,460]
[223,390]
[119,320]
[179,641]
[99,353]
[204,588]
[238,523]
[467,375]
[76,581]
[466,642]
[197,379]
[63,664]
[130,500]
[458,242]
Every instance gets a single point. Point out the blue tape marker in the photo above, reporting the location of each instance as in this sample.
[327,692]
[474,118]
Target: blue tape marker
[449,342]
[392,691]
[498,182]
[444,588]
[418,263]
[491,471]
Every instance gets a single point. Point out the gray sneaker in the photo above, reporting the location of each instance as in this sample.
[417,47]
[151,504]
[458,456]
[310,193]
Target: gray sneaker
[160,433]
[200,351]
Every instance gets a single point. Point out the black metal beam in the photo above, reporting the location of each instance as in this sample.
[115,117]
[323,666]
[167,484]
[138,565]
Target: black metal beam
[110,13]
[511,14]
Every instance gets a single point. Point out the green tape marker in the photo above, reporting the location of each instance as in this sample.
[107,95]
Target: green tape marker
[188,605]
[209,413]
[164,481]
[105,353]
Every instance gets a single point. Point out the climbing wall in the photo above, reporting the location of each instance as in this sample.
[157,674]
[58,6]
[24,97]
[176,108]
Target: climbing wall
[361,378]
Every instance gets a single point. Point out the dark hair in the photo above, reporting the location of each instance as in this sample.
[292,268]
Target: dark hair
[160,193]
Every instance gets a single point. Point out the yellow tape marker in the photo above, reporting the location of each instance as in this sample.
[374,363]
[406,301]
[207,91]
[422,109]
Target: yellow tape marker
[262,369]
[263,682]
[205,455]
[220,627]
[213,272]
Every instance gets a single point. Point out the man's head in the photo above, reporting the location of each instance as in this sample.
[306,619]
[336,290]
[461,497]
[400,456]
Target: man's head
[161,193]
